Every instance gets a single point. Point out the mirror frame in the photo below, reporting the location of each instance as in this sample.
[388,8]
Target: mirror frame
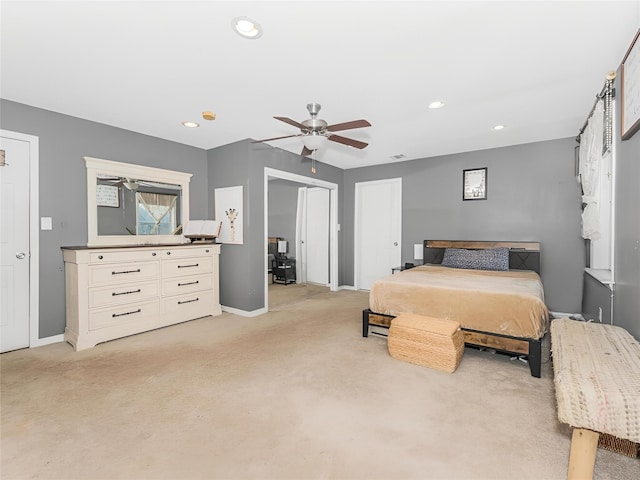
[97,166]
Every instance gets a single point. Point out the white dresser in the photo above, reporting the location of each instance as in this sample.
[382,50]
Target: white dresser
[113,292]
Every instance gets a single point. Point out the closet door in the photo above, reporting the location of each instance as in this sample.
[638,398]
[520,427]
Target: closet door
[378,230]
[318,236]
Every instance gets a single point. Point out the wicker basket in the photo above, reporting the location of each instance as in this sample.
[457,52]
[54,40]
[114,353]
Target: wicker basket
[431,342]
[619,445]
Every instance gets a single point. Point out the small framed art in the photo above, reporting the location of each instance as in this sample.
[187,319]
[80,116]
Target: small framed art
[631,89]
[107,196]
[474,184]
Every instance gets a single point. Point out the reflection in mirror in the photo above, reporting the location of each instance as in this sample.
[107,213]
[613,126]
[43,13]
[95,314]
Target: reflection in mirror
[128,206]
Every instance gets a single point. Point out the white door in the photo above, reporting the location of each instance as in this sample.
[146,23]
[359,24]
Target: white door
[301,236]
[317,236]
[14,243]
[378,230]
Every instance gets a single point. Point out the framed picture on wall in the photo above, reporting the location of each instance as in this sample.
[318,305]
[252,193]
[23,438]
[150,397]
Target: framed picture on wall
[229,210]
[631,89]
[474,184]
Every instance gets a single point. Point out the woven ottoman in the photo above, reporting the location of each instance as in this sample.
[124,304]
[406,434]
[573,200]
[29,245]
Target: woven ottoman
[431,342]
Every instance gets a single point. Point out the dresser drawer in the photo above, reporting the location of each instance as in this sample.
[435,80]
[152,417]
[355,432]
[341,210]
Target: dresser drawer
[117,256]
[182,285]
[123,272]
[193,305]
[187,266]
[185,252]
[133,312]
[123,293]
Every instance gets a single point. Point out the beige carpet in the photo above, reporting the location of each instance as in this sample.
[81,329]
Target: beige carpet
[286,295]
[293,394]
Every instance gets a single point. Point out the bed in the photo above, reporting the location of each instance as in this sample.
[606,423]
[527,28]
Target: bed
[493,289]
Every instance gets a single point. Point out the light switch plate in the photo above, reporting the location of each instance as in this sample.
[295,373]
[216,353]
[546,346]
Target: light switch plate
[46,223]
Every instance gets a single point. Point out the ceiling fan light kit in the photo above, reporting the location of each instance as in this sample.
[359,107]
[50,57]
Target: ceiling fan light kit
[314,132]
[314,140]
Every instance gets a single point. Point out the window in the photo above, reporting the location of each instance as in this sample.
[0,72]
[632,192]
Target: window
[156,213]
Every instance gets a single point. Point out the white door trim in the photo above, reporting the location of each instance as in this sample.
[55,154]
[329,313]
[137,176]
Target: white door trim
[333,221]
[34,238]
[356,230]
[301,236]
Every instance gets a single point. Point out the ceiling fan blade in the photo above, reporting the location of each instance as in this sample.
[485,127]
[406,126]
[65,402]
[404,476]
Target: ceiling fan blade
[275,138]
[306,152]
[348,141]
[291,122]
[348,125]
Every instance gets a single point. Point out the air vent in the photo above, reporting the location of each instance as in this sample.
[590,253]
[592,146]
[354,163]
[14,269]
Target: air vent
[399,156]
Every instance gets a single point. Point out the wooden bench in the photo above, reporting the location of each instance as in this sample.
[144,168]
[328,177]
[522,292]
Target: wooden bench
[597,380]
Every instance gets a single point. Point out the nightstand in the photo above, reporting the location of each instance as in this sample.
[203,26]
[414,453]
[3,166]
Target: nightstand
[402,268]
[284,270]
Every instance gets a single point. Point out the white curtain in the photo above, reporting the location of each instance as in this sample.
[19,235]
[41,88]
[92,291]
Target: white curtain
[590,158]
[158,205]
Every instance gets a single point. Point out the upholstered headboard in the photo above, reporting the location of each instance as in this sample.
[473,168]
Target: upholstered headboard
[522,255]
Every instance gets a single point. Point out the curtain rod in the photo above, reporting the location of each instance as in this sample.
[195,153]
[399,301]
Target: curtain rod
[607,88]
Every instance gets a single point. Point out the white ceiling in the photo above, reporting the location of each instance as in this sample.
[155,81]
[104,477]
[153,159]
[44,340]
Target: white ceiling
[146,66]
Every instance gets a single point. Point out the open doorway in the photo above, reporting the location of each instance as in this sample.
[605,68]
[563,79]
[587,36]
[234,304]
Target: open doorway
[301,225]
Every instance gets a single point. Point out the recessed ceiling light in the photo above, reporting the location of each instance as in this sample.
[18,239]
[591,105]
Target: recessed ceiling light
[208,115]
[436,104]
[191,124]
[247,27]
[498,127]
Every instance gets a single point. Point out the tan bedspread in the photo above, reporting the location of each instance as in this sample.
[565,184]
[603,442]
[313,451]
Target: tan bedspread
[509,303]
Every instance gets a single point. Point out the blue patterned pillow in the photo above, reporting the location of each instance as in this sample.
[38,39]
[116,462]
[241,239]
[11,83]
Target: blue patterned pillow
[490,259]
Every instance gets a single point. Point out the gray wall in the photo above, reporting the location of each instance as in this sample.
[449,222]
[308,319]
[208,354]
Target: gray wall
[626,301]
[532,196]
[64,140]
[596,300]
[242,277]
[283,206]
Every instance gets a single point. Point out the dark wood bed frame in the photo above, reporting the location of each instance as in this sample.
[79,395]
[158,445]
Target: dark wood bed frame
[522,256]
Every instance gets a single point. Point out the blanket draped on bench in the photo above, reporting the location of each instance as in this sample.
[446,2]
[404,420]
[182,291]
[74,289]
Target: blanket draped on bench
[597,377]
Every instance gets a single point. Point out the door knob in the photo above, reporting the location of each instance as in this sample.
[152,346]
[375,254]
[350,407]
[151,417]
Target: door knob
[395,244]
[20,255]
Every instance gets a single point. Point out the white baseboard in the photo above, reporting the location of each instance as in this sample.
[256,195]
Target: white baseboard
[244,313]
[346,287]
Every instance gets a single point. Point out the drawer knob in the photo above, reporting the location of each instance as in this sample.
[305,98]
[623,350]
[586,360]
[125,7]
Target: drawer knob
[100,257]
[153,254]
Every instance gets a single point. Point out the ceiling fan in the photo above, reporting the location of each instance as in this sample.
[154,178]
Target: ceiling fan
[129,183]
[315,131]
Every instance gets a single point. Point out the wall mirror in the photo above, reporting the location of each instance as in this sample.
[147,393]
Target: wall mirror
[135,205]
